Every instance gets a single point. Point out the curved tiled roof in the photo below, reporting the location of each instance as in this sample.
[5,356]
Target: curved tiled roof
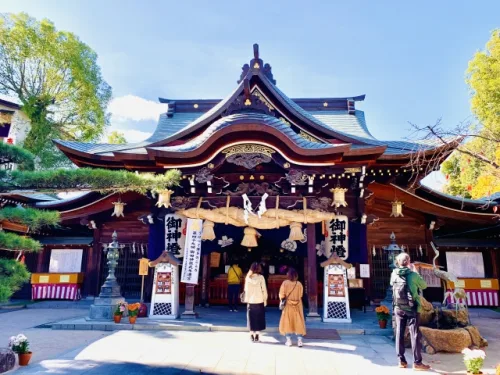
[244,118]
[348,127]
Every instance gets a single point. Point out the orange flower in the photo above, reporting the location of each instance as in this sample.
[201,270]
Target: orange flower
[134,306]
[382,310]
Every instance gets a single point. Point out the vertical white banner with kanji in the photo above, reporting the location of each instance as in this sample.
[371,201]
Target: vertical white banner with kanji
[337,237]
[192,252]
[175,236]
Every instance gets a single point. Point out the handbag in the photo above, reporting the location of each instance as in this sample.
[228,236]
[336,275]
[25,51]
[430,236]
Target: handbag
[283,301]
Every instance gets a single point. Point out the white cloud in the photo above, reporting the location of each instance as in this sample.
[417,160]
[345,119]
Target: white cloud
[133,136]
[134,108]
[435,180]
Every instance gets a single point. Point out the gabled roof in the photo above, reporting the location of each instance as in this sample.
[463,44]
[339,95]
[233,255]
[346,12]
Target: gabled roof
[188,123]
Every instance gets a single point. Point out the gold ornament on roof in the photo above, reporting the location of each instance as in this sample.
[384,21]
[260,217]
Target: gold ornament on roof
[325,104]
[397,209]
[164,198]
[283,120]
[119,206]
[248,149]
[339,197]
[352,170]
[195,105]
[248,102]
[256,65]
[256,92]
[309,137]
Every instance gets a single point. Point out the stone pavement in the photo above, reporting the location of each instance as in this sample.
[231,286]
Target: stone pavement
[148,352]
[218,318]
[171,352]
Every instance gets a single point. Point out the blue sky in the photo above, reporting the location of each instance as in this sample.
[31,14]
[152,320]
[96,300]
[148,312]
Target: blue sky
[409,58]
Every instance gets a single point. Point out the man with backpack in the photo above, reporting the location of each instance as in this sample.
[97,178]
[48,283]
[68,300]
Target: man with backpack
[406,287]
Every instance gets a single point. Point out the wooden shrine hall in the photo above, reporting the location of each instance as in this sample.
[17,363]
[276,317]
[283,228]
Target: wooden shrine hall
[280,174]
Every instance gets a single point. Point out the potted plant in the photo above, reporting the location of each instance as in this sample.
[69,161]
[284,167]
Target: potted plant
[133,310]
[382,315]
[473,360]
[20,345]
[120,309]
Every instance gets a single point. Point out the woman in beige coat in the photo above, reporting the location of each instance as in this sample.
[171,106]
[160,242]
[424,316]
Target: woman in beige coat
[292,317]
[256,299]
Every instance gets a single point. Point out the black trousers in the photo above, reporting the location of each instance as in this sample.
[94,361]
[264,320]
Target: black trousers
[412,321]
[233,293]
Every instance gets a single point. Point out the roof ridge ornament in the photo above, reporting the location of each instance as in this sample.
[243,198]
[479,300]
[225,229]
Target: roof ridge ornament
[256,66]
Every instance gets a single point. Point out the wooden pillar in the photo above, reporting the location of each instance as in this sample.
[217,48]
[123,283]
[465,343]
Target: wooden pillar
[306,280]
[312,277]
[205,279]
[88,277]
[189,312]
[95,274]
[494,263]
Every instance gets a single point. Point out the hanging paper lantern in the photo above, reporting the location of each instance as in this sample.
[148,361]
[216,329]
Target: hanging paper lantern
[10,141]
[338,197]
[397,209]
[296,233]
[447,177]
[469,187]
[495,209]
[119,206]
[249,237]
[164,198]
[208,231]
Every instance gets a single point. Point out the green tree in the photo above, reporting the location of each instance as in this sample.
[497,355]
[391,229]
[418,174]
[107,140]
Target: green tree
[12,272]
[117,138]
[57,79]
[473,170]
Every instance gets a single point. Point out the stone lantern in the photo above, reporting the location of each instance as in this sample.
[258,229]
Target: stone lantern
[104,305]
[392,251]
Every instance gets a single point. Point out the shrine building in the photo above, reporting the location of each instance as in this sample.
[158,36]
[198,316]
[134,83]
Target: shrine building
[283,181]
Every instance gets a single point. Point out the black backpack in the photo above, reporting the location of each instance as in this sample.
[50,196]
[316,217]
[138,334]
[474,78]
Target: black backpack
[401,295]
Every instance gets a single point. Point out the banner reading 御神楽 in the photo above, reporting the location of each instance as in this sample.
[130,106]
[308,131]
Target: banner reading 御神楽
[337,241]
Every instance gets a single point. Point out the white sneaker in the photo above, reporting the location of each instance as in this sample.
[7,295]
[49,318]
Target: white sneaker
[288,342]
[299,342]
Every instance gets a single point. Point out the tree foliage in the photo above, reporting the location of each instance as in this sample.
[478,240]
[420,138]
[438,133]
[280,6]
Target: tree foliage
[116,138]
[101,180]
[475,173]
[57,79]
[13,275]
[33,218]
[12,154]
[15,242]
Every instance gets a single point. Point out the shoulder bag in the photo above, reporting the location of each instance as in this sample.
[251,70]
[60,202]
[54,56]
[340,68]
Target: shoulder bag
[283,301]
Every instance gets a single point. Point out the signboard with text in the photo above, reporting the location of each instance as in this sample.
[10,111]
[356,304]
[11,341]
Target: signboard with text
[192,252]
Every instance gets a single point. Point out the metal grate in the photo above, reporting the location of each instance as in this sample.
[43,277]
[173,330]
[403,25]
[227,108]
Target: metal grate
[162,308]
[127,272]
[336,310]
[380,272]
